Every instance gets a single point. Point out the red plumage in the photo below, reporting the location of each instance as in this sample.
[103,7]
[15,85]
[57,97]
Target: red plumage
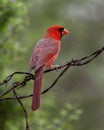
[44,54]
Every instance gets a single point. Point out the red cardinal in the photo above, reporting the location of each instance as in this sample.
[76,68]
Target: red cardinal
[44,54]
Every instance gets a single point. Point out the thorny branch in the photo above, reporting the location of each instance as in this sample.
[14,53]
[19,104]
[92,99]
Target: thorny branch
[28,76]
[83,61]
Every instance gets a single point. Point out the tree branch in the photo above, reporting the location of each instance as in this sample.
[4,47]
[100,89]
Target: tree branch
[82,61]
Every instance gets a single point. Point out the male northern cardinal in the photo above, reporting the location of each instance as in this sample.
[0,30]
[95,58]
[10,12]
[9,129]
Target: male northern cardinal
[44,54]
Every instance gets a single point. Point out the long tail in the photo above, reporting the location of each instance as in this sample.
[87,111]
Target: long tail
[37,89]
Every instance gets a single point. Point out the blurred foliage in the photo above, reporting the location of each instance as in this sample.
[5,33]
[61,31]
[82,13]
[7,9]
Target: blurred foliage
[22,24]
[53,117]
[12,14]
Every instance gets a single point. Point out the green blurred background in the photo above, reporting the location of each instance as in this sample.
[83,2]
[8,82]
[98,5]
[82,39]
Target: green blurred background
[77,100]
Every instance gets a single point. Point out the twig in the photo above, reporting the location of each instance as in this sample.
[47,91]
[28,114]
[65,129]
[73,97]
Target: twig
[21,104]
[17,84]
[66,68]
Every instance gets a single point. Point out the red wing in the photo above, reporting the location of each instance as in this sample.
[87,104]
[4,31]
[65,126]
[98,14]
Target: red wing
[43,52]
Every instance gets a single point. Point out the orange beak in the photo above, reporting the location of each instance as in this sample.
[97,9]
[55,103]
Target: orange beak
[65,31]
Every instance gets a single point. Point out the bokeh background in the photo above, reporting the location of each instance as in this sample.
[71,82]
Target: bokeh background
[77,100]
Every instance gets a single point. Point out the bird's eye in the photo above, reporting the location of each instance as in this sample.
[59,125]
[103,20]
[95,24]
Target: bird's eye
[60,30]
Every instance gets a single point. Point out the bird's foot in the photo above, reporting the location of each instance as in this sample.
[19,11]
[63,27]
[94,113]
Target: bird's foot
[55,66]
